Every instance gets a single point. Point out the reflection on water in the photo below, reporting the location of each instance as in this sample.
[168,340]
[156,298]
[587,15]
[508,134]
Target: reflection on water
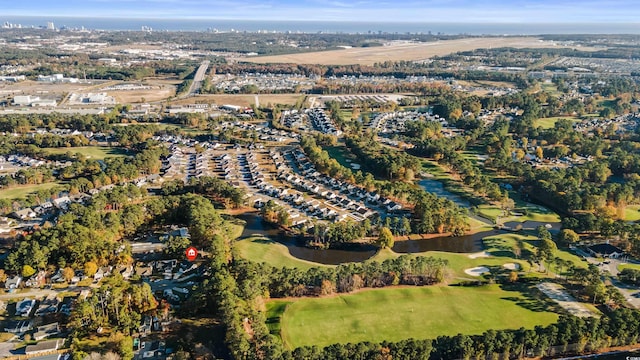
[455,244]
[626,355]
[350,253]
[358,252]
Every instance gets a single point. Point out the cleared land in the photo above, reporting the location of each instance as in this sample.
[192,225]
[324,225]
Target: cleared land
[410,312]
[241,99]
[549,123]
[403,51]
[18,192]
[93,152]
[156,93]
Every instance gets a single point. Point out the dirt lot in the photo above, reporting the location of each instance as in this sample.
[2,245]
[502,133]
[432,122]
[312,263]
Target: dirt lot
[42,89]
[242,99]
[402,51]
[156,93]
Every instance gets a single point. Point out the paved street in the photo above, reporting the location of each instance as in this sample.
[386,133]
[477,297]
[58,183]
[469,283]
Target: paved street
[609,268]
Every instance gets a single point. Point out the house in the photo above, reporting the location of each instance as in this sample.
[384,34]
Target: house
[13,283]
[37,280]
[50,357]
[43,347]
[605,250]
[46,331]
[24,307]
[144,271]
[62,202]
[24,214]
[102,272]
[19,326]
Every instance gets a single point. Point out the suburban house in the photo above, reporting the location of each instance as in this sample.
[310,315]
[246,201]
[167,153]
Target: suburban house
[13,282]
[46,331]
[24,214]
[24,307]
[19,326]
[605,250]
[44,347]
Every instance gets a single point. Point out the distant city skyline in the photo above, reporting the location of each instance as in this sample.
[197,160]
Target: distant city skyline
[477,11]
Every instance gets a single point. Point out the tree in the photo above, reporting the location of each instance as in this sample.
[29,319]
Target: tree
[568,236]
[3,276]
[513,276]
[546,250]
[90,268]
[385,238]
[125,348]
[543,233]
[28,271]
[68,274]
[539,153]
[176,245]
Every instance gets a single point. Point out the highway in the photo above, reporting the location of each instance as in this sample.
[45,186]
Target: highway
[198,78]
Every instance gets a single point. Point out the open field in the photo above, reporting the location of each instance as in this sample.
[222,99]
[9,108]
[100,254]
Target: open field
[632,213]
[409,312]
[548,123]
[628,266]
[93,152]
[47,90]
[241,99]
[487,83]
[18,192]
[533,212]
[261,249]
[402,51]
[156,93]
[341,154]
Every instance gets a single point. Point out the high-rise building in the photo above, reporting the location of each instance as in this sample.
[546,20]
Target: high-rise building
[50,26]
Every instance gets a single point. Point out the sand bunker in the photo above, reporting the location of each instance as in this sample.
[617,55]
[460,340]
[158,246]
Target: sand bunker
[477,271]
[480,254]
[511,266]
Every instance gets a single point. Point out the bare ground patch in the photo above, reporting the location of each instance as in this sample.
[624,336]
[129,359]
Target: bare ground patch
[404,51]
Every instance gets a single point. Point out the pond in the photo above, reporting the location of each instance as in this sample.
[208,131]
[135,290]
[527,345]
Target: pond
[358,252]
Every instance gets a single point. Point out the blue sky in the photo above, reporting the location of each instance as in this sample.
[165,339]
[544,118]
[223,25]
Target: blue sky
[509,11]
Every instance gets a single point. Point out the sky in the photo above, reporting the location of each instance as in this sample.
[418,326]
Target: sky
[442,11]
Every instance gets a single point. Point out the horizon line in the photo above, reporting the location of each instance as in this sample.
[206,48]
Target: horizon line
[317,20]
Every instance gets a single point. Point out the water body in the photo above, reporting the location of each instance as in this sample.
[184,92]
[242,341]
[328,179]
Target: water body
[625,355]
[256,227]
[357,252]
[456,244]
[437,187]
[327,26]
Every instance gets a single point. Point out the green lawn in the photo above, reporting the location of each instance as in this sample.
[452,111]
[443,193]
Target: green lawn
[632,213]
[341,154]
[409,312]
[499,247]
[548,123]
[503,245]
[21,191]
[275,310]
[551,89]
[93,152]
[628,266]
[261,249]
[533,212]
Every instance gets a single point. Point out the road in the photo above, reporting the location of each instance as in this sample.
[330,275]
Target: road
[198,78]
[610,271]
[41,293]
